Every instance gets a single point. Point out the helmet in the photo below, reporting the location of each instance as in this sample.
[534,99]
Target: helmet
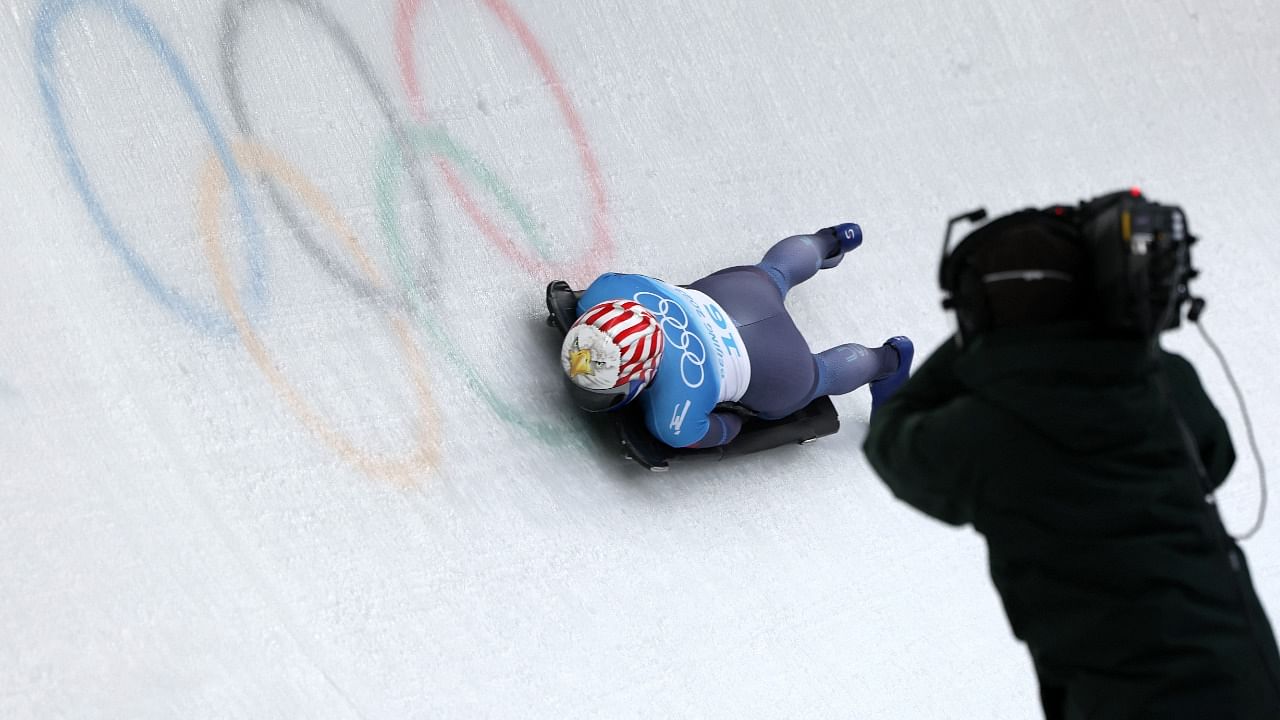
[610,354]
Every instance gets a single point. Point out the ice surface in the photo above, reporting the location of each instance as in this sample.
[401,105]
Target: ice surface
[299,449]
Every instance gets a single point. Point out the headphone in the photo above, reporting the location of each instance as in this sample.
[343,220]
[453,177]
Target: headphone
[1137,257]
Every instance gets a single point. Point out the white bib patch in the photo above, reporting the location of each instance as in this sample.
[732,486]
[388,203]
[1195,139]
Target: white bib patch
[732,361]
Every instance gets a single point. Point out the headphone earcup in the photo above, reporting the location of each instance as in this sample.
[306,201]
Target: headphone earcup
[971,302]
[993,247]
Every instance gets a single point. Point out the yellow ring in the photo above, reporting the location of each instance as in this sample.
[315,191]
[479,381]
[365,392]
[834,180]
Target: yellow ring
[213,184]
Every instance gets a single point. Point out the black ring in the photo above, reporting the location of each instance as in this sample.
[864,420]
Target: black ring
[229,37]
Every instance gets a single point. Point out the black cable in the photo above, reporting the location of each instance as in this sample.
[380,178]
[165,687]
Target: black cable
[1248,426]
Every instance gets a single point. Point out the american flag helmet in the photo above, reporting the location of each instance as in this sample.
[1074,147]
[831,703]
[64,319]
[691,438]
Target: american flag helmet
[613,349]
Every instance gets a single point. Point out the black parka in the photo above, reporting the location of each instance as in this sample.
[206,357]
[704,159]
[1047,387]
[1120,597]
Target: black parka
[1066,452]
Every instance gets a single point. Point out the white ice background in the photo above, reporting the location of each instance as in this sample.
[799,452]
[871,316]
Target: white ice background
[379,505]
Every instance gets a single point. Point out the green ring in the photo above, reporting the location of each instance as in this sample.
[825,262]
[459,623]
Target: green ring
[386,182]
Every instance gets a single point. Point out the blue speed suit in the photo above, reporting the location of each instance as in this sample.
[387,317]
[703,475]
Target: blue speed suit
[728,337]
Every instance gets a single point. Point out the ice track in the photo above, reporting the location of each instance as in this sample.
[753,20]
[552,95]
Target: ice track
[281,431]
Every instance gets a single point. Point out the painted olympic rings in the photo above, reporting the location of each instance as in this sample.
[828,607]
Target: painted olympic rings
[672,319]
[212,185]
[232,16]
[286,186]
[436,141]
[51,13]
[601,248]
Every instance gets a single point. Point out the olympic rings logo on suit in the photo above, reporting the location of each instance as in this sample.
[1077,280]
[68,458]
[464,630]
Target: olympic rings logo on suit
[687,338]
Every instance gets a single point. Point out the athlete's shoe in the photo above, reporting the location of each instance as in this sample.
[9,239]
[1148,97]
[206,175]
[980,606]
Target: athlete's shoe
[885,387]
[849,237]
[849,234]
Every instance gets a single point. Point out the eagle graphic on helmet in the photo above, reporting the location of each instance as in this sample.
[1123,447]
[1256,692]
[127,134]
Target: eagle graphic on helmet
[612,352]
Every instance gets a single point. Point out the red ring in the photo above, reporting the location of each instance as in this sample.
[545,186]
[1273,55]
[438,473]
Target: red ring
[602,245]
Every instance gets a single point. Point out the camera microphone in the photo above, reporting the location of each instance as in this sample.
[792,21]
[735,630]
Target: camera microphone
[971,216]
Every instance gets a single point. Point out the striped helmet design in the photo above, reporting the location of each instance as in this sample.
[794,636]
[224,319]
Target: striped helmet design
[635,332]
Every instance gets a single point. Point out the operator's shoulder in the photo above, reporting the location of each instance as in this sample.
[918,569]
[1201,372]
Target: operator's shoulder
[1174,361]
[1181,373]
[971,413]
[969,418]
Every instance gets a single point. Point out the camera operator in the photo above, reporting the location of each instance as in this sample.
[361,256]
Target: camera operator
[1087,456]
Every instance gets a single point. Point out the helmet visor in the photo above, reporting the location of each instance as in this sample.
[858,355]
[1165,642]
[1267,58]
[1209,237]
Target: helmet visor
[598,400]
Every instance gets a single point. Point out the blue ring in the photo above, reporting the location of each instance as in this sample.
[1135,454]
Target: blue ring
[213,323]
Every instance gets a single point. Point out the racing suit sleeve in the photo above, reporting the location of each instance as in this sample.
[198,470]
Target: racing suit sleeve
[722,428]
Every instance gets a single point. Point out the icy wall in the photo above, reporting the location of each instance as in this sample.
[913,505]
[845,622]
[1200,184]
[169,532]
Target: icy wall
[281,432]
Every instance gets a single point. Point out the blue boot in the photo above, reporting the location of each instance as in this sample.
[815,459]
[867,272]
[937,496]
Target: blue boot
[849,235]
[885,387]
